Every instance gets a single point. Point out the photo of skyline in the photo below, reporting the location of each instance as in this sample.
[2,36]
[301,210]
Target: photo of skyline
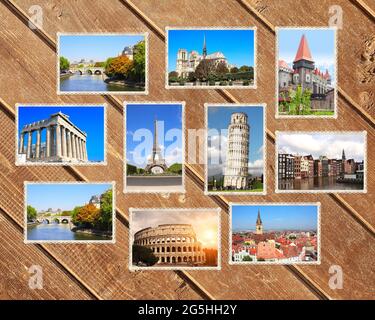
[279,233]
[321,161]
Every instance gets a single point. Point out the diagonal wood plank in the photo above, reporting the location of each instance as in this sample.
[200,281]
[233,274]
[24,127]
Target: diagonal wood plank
[205,200]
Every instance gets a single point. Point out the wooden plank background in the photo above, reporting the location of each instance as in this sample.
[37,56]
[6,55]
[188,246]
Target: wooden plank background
[27,75]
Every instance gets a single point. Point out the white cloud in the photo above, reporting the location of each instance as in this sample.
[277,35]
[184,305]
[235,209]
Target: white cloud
[329,144]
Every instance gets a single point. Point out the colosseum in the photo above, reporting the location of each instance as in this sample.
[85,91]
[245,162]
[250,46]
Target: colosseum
[172,243]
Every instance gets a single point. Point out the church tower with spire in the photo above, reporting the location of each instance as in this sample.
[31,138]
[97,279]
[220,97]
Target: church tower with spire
[259,225]
[204,53]
[343,161]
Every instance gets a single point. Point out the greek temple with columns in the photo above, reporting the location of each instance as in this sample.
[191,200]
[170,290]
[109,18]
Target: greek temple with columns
[55,139]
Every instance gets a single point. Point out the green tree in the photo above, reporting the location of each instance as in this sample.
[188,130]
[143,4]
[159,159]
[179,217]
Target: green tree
[173,76]
[245,69]
[106,210]
[144,255]
[247,258]
[204,70]
[130,169]
[175,168]
[234,70]
[74,214]
[66,213]
[221,68]
[139,61]
[64,63]
[31,213]
[300,101]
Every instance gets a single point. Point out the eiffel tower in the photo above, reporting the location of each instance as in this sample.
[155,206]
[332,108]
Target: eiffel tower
[156,163]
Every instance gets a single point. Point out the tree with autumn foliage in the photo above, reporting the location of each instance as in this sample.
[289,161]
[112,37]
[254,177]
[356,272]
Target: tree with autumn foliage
[87,216]
[119,67]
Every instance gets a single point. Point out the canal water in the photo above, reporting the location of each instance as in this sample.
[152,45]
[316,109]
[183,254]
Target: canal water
[57,231]
[317,183]
[87,82]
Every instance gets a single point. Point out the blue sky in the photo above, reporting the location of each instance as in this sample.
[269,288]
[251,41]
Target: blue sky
[275,217]
[88,118]
[321,43]
[142,116]
[95,47]
[219,118]
[62,196]
[236,45]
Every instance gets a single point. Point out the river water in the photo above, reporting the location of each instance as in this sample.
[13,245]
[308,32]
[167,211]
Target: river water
[57,231]
[91,83]
[317,183]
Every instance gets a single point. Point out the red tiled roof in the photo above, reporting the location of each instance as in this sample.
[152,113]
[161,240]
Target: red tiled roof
[303,52]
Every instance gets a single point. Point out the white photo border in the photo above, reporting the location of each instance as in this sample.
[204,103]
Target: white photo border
[165,211]
[254,28]
[335,109]
[63,163]
[253,204]
[364,190]
[111,241]
[235,105]
[183,139]
[144,34]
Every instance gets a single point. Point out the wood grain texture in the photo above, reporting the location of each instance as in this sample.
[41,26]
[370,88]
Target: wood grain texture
[28,75]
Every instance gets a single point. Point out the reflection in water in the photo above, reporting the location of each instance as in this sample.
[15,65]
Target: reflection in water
[78,82]
[317,183]
[57,231]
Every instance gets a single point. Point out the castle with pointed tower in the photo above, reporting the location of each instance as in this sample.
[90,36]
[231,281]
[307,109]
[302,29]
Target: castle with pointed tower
[304,73]
[187,62]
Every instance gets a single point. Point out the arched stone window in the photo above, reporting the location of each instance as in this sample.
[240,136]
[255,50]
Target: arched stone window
[189,249]
[168,249]
[184,249]
[173,249]
[179,259]
[179,249]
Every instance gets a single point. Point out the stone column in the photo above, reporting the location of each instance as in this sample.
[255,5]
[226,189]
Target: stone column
[74,150]
[21,148]
[48,142]
[58,141]
[69,144]
[81,148]
[29,142]
[37,146]
[85,150]
[63,142]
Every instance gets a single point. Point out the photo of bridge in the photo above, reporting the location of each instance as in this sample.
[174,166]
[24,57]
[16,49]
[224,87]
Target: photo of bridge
[101,63]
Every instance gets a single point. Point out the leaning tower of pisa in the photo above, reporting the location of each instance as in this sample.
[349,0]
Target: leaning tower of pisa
[236,167]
